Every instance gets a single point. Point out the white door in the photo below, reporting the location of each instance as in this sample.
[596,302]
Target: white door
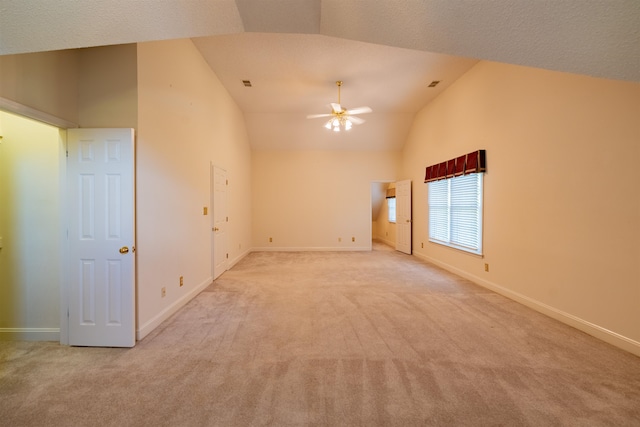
[219,220]
[403,216]
[100,173]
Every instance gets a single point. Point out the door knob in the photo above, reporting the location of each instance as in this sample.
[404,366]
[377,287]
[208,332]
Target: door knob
[124,250]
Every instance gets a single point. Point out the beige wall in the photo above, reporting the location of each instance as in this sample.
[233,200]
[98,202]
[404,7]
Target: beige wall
[93,87]
[45,81]
[186,119]
[561,196]
[107,87]
[30,227]
[310,199]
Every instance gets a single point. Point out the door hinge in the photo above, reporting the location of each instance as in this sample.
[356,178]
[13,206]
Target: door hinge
[227,219]
[227,256]
[227,182]
[67,153]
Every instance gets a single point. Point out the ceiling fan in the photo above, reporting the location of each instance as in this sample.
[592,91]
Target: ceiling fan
[341,118]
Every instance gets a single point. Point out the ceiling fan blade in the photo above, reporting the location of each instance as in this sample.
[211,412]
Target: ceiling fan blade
[359,110]
[315,116]
[336,107]
[356,120]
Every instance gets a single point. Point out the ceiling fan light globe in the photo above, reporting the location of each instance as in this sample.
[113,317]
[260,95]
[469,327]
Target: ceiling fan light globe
[341,118]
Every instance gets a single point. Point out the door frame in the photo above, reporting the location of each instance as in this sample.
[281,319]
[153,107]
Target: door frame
[400,225]
[212,173]
[64,244]
[62,124]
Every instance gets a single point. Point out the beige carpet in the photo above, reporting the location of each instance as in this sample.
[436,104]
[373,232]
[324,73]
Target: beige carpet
[331,339]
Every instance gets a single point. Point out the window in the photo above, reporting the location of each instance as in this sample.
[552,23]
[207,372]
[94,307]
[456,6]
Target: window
[455,212]
[391,206]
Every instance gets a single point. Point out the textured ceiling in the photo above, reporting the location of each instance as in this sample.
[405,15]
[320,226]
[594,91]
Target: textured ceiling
[385,51]
[595,37]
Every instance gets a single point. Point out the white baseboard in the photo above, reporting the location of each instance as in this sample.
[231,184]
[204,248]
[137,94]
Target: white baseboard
[386,242]
[146,329]
[592,329]
[30,334]
[238,259]
[311,249]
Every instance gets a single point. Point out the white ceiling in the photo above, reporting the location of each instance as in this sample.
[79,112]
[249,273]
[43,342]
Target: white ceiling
[385,51]
[294,75]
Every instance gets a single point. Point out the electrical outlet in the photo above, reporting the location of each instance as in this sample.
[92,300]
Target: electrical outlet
[353,239]
[422,245]
[181,281]
[270,239]
[339,239]
[486,267]
[163,292]
[205,211]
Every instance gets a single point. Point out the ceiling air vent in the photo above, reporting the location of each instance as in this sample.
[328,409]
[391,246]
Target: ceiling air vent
[246,83]
[434,83]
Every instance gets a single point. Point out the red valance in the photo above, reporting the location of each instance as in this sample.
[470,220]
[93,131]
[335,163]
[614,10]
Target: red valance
[442,170]
[474,162]
[451,168]
[427,176]
[460,165]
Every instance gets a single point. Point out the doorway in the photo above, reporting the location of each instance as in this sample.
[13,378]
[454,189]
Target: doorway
[32,159]
[382,230]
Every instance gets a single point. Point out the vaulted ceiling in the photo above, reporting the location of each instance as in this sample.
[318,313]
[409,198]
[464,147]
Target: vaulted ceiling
[294,75]
[386,52]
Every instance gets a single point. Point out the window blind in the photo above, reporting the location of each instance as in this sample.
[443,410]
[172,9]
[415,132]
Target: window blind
[455,212]
[439,210]
[391,209]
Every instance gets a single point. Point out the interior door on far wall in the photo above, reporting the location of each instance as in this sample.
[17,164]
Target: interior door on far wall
[403,216]
[100,173]
[219,220]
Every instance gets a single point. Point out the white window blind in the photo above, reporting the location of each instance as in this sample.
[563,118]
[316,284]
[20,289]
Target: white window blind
[455,212]
[391,206]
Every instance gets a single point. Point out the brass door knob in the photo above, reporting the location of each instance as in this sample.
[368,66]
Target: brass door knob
[124,250]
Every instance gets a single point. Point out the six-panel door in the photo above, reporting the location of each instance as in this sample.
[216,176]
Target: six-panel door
[100,173]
